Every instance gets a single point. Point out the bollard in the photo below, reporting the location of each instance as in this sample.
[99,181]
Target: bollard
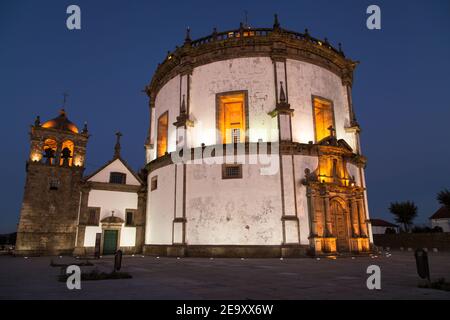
[117,260]
[423,269]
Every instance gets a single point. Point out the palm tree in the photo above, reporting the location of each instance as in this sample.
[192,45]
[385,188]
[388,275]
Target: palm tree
[404,212]
[444,198]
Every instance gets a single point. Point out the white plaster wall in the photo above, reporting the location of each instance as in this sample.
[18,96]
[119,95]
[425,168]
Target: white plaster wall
[110,201]
[300,164]
[160,207]
[443,223]
[128,236]
[305,80]
[243,211]
[89,235]
[115,166]
[253,74]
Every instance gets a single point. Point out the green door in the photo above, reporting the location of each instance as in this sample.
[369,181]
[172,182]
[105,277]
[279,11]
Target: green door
[110,242]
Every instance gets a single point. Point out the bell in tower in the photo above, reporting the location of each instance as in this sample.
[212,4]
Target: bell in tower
[49,213]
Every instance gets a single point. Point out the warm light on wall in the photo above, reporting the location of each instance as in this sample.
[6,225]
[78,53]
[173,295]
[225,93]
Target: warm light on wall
[67,144]
[36,157]
[78,161]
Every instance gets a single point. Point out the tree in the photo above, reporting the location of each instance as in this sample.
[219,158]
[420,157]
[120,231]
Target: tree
[444,198]
[404,212]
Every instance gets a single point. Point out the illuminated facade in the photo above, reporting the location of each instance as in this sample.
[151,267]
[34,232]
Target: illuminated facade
[252,151]
[229,98]
[64,212]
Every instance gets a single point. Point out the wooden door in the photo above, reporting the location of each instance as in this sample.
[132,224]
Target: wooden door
[110,242]
[340,227]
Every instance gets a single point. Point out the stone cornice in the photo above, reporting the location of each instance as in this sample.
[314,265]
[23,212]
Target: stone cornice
[285,148]
[91,185]
[279,44]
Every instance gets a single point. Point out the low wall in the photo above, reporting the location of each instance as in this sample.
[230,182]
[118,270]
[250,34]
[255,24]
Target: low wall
[440,241]
[226,251]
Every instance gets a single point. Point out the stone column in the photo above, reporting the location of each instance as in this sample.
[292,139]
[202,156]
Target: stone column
[354,214]
[311,212]
[362,218]
[327,214]
[140,221]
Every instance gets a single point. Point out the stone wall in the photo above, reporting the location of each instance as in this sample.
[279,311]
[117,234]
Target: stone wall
[441,241]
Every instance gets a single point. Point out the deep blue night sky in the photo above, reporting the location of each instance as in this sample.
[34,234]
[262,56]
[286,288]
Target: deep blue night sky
[399,90]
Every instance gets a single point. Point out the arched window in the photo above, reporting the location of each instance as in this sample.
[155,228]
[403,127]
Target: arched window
[49,149]
[66,152]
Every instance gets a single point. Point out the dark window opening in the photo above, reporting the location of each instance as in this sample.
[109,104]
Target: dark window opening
[129,218]
[154,183]
[54,184]
[117,177]
[93,216]
[232,171]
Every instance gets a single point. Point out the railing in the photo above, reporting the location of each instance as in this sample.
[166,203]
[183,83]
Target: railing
[262,32]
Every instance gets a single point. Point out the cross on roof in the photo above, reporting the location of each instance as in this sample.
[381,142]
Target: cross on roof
[117,146]
[65,95]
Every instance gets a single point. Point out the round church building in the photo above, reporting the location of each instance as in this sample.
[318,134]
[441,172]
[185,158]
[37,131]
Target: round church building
[253,149]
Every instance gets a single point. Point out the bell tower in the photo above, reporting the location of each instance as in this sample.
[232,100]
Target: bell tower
[49,213]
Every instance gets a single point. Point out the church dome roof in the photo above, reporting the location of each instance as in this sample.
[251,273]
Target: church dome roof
[61,122]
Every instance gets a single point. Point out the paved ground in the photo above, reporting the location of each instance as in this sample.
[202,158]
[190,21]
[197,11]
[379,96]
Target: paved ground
[195,278]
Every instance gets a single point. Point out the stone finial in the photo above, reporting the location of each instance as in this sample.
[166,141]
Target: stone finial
[214,33]
[282,94]
[85,128]
[276,23]
[117,146]
[37,121]
[187,39]
[307,35]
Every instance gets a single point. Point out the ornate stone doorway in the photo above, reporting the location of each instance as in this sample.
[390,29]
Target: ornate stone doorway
[340,225]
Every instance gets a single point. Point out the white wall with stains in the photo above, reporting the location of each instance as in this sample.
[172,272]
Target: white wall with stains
[243,211]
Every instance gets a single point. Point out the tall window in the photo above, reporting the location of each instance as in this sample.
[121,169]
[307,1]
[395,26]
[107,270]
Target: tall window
[129,218]
[163,126]
[66,150]
[231,117]
[117,177]
[93,216]
[323,117]
[50,150]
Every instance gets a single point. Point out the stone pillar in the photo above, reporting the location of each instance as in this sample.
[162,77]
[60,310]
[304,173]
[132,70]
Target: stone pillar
[354,214]
[182,124]
[82,220]
[140,220]
[310,194]
[362,218]
[326,209]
